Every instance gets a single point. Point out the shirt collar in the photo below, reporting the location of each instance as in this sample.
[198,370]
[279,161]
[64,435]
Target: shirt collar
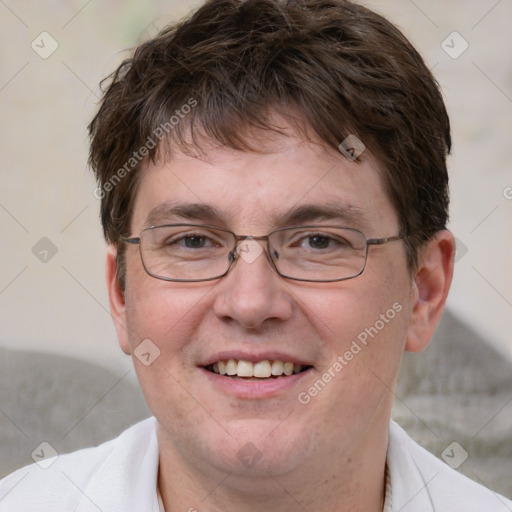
[409,486]
[126,478]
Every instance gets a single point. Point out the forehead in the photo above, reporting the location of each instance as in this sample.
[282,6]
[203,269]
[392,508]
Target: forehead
[290,181]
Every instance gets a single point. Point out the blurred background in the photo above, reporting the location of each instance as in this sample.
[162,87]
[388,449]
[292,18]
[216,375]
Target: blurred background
[53,298]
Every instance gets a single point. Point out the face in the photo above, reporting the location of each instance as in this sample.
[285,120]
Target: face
[348,336]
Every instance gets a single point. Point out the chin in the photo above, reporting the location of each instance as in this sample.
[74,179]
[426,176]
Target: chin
[258,448]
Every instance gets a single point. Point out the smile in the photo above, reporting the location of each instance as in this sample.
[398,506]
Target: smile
[264,369]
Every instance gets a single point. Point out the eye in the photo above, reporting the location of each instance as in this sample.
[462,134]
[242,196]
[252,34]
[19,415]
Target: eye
[318,241]
[194,241]
[322,241]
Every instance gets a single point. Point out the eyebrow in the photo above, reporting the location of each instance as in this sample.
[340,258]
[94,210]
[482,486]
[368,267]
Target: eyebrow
[346,213]
[166,212]
[170,211]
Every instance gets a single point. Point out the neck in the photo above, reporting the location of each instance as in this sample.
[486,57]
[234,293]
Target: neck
[352,482]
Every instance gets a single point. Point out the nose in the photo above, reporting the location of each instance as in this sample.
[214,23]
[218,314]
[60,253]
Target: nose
[252,293]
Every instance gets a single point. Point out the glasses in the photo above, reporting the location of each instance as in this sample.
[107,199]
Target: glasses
[194,252]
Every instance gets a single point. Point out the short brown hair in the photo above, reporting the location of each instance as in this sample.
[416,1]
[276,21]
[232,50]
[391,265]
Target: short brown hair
[346,69]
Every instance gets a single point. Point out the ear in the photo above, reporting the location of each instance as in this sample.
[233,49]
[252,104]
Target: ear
[430,289]
[116,299]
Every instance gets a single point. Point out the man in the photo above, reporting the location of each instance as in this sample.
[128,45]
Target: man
[274,193]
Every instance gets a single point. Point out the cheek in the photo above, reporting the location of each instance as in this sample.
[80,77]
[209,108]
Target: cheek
[156,309]
[163,320]
[163,313]
[362,325]
[349,314]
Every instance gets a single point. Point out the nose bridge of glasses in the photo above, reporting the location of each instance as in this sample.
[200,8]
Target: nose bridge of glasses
[248,248]
[241,238]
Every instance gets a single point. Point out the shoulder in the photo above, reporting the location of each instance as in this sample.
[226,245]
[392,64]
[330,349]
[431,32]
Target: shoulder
[420,481]
[85,479]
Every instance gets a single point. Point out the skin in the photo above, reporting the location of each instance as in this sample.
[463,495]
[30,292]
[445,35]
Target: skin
[328,454]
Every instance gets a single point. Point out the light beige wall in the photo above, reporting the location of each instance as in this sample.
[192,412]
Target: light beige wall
[46,190]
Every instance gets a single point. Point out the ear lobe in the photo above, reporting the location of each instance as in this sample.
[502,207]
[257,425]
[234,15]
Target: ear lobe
[116,300]
[431,285]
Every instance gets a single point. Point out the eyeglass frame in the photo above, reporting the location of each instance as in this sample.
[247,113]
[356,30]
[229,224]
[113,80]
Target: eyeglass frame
[233,255]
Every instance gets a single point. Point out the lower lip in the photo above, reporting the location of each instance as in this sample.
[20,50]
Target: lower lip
[264,388]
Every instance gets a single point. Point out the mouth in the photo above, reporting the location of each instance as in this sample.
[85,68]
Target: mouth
[240,369]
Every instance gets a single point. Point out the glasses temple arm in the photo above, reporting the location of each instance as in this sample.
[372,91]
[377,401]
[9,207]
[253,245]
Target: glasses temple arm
[380,241]
[134,241]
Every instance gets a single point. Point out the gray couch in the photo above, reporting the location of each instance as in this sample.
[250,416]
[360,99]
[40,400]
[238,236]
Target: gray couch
[458,390]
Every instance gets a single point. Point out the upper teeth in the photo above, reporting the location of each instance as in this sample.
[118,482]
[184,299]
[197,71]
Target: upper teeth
[261,369]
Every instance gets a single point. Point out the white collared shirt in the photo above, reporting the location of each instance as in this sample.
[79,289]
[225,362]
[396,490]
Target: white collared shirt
[121,476]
